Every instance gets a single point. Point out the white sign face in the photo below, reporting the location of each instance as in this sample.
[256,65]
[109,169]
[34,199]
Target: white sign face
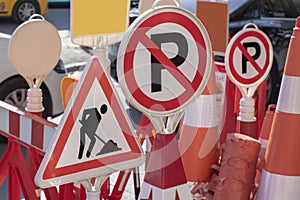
[168,87]
[102,131]
[249,57]
[164,60]
[95,136]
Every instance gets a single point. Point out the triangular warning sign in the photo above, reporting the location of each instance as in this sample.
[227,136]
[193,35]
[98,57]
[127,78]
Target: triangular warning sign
[94,137]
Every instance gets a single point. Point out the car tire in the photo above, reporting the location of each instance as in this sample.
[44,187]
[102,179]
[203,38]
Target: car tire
[24,9]
[14,91]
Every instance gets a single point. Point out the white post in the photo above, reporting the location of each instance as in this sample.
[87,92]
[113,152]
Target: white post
[92,195]
[101,52]
[34,100]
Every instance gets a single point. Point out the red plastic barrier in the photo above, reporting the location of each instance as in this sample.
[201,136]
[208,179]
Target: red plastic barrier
[33,133]
[30,132]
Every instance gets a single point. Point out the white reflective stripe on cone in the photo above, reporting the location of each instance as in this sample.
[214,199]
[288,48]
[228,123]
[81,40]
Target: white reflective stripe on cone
[278,187]
[289,96]
[202,112]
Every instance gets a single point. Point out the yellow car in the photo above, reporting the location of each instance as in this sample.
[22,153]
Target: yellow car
[21,10]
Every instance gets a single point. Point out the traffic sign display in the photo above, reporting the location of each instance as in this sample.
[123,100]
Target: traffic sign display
[94,137]
[248,58]
[95,23]
[34,48]
[84,15]
[164,60]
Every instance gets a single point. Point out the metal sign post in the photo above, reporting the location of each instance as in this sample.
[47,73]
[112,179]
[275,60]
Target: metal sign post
[164,64]
[248,60]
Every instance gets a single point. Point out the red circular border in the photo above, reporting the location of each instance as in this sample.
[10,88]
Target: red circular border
[234,46]
[136,92]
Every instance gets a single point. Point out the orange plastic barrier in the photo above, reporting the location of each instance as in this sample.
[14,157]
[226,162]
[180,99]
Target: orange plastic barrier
[238,168]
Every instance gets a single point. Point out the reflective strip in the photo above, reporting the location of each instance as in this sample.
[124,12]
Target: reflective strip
[25,129]
[4,116]
[278,187]
[123,180]
[18,124]
[202,112]
[48,135]
[263,143]
[289,95]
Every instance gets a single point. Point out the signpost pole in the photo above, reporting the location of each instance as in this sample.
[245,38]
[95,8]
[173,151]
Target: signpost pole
[101,52]
[246,121]
[93,190]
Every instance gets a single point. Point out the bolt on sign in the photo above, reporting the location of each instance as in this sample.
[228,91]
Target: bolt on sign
[95,23]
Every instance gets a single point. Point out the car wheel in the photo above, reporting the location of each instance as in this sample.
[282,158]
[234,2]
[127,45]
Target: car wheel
[14,92]
[24,9]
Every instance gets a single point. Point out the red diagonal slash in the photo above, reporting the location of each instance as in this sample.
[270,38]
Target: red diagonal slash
[165,61]
[249,57]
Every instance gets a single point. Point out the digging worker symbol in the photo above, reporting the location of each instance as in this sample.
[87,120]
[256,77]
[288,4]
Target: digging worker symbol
[90,121]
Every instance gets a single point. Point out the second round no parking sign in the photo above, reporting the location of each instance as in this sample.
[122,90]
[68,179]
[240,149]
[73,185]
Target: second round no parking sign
[248,57]
[164,60]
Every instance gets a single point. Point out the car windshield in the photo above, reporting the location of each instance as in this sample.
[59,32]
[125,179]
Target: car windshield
[236,4]
[265,8]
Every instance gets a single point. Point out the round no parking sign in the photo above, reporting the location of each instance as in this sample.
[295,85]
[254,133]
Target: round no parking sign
[164,60]
[248,57]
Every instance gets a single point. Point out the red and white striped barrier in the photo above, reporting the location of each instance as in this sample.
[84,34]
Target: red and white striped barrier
[27,127]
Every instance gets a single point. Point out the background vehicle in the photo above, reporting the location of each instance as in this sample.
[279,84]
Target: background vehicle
[13,88]
[59,3]
[21,10]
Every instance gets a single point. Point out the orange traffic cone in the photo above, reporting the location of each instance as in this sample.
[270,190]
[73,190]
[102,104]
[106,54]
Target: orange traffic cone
[280,177]
[263,139]
[67,87]
[198,135]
